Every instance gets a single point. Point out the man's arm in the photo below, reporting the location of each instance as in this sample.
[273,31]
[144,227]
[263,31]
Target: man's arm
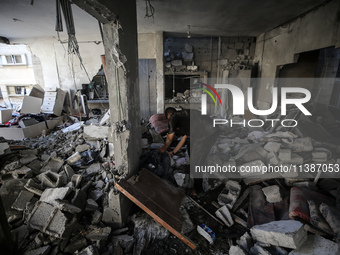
[169,139]
[180,144]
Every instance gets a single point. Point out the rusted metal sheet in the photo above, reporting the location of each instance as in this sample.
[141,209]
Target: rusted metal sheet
[158,199]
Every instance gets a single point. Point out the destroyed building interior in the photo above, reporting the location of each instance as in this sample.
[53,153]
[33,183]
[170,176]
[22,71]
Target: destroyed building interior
[92,163]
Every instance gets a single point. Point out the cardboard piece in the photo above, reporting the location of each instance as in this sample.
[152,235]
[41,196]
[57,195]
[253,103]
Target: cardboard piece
[17,133]
[31,105]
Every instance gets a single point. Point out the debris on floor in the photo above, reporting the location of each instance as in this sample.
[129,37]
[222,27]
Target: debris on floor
[59,190]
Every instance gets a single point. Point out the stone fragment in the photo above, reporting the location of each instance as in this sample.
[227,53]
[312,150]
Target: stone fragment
[82,147]
[76,180]
[332,216]
[96,217]
[50,195]
[285,155]
[33,187]
[245,241]
[91,205]
[4,147]
[96,132]
[73,158]
[28,158]
[224,215]
[301,144]
[96,194]
[24,170]
[272,146]
[66,206]
[317,245]
[236,250]
[93,169]
[100,184]
[272,194]
[98,234]
[53,165]
[89,250]
[79,199]
[75,244]
[316,218]
[39,251]
[259,250]
[229,194]
[319,156]
[21,201]
[284,233]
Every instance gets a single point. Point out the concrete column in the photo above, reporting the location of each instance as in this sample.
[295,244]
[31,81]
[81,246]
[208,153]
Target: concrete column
[160,72]
[120,43]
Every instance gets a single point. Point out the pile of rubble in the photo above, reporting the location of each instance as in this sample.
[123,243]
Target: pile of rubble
[59,191]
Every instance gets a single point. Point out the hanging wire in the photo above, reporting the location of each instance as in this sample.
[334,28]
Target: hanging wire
[149,10]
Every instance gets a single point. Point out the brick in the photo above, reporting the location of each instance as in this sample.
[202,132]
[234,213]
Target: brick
[284,233]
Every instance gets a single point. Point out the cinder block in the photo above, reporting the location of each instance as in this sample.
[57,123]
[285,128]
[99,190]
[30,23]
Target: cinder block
[23,198]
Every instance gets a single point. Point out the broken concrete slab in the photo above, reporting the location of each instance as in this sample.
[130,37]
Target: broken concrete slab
[96,217]
[236,250]
[75,244]
[93,169]
[285,155]
[4,148]
[69,172]
[39,251]
[300,144]
[229,194]
[272,193]
[21,201]
[332,216]
[28,158]
[50,220]
[76,180]
[97,234]
[272,146]
[53,165]
[246,242]
[259,250]
[50,195]
[89,250]
[73,158]
[317,245]
[82,147]
[284,233]
[33,187]
[66,206]
[316,218]
[96,132]
[91,205]
[224,215]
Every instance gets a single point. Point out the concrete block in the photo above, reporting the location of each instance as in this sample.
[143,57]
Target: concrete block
[319,156]
[24,170]
[224,215]
[51,179]
[284,233]
[91,205]
[246,242]
[73,158]
[28,158]
[272,194]
[97,234]
[33,187]
[23,198]
[236,250]
[50,220]
[79,199]
[76,180]
[53,165]
[93,133]
[69,172]
[66,207]
[96,217]
[285,155]
[93,169]
[110,216]
[229,194]
[39,251]
[272,147]
[50,195]
[82,147]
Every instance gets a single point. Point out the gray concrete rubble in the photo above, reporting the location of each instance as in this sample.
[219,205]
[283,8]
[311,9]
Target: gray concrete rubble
[285,233]
[272,194]
[60,196]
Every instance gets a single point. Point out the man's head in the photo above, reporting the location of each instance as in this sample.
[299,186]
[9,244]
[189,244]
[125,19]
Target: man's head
[169,111]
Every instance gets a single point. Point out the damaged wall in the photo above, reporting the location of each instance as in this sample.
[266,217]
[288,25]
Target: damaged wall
[61,70]
[315,30]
